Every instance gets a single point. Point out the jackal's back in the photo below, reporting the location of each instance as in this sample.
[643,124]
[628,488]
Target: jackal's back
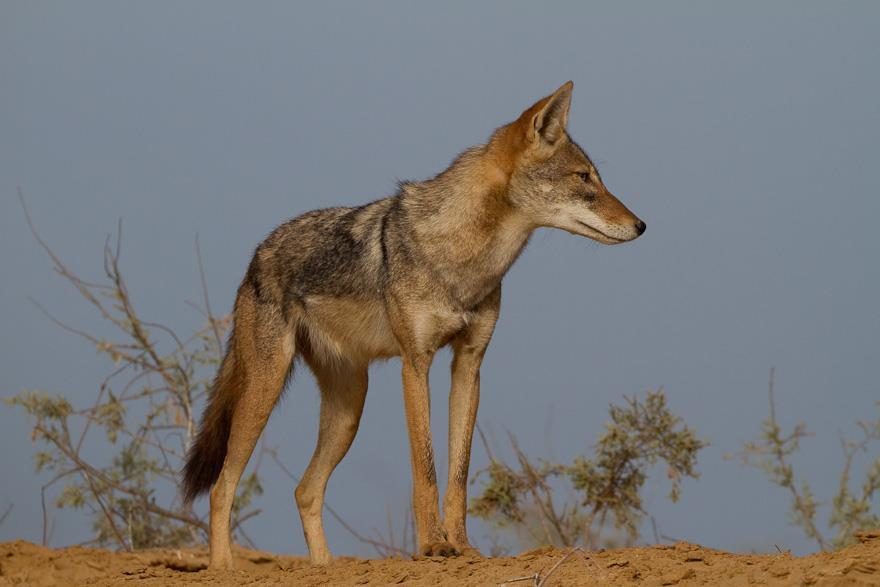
[334,252]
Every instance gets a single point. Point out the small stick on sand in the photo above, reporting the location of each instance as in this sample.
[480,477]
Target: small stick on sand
[539,581]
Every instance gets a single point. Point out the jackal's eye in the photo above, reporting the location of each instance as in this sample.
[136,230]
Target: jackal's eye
[584,175]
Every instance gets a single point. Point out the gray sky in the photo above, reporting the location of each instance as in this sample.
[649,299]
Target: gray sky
[745,135]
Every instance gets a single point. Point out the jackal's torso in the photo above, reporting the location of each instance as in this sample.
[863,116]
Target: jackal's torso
[432,249]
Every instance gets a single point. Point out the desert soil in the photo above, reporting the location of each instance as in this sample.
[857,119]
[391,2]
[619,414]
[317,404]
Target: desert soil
[23,563]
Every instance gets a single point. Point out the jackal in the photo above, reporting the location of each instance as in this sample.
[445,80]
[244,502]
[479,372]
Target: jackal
[402,276]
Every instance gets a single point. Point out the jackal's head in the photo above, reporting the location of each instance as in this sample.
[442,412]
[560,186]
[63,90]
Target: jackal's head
[552,180]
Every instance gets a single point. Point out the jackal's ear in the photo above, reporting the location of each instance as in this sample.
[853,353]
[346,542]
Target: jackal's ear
[548,118]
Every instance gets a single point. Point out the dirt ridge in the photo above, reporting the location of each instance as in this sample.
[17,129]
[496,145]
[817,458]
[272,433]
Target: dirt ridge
[24,563]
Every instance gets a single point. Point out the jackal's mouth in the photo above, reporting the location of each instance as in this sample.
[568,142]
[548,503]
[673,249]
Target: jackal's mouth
[598,234]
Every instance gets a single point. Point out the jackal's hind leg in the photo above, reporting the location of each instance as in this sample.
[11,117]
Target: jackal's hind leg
[343,390]
[265,348]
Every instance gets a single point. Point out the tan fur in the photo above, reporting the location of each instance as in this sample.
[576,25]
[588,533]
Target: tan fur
[403,276]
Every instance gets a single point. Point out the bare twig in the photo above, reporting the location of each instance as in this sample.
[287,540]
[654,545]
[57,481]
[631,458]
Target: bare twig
[558,564]
[540,580]
[485,442]
[56,478]
[245,517]
[205,297]
[533,578]
[658,535]
[6,514]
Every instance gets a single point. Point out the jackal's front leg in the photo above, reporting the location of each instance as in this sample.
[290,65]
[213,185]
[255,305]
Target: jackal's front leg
[468,349]
[431,536]
[463,401]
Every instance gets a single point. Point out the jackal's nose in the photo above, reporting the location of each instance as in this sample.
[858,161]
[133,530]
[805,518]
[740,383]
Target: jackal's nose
[640,227]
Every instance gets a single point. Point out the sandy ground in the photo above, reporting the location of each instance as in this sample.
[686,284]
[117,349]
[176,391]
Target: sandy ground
[23,563]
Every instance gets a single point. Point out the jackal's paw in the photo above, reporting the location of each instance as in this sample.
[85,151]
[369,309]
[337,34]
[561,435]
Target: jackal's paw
[321,559]
[439,549]
[221,563]
[469,551]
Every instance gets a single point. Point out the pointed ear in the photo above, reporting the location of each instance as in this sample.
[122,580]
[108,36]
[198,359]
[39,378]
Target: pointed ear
[547,119]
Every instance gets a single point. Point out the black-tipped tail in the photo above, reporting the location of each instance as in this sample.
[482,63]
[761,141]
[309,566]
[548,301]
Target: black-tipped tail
[204,460]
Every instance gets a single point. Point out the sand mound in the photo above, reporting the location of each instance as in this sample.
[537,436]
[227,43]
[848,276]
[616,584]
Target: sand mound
[23,563]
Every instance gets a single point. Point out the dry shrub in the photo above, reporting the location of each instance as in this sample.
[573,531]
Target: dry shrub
[144,411]
[851,511]
[520,497]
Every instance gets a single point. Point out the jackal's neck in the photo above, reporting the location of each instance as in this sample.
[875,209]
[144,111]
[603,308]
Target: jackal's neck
[464,225]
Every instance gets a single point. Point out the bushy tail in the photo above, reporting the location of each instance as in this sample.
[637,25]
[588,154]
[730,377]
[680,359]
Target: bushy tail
[204,460]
